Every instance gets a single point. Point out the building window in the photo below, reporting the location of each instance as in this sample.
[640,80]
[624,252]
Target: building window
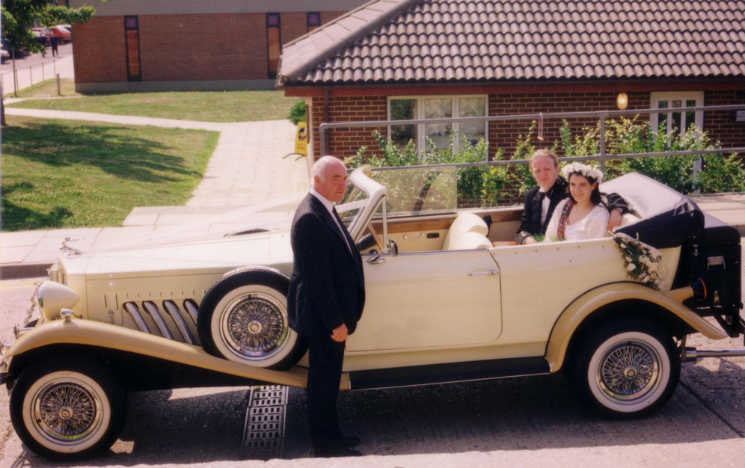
[677,121]
[132,36]
[437,107]
[314,21]
[273,42]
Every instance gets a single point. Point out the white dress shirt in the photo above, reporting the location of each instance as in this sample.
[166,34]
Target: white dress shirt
[330,206]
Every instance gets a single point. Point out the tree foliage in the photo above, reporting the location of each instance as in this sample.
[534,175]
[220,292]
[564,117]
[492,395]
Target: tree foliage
[18,17]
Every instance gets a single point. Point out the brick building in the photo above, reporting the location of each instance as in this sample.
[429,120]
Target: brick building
[407,59]
[153,45]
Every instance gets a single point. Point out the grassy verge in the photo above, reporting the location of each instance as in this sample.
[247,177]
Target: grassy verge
[205,106]
[46,89]
[58,173]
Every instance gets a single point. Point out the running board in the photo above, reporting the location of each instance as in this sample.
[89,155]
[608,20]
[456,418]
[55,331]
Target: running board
[447,373]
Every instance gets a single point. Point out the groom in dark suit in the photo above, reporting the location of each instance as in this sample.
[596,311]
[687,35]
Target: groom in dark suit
[541,201]
[325,300]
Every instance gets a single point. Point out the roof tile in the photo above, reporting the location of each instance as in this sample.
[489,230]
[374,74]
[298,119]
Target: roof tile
[501,40]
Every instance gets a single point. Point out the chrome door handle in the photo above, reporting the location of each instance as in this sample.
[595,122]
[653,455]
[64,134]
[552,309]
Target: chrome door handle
[484,273]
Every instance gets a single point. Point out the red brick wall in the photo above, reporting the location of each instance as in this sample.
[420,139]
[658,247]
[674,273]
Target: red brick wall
[293,25]
[183,47]
[504,135]
[203,47]
[720,124]
[100,50]
[345,142]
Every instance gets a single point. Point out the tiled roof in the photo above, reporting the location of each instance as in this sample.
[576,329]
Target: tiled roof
[457,41]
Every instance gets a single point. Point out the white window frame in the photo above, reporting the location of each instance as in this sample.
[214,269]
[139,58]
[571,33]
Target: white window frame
[683,96]
[455,99]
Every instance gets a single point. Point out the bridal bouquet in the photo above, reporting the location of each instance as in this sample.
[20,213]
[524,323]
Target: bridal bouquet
[641,260]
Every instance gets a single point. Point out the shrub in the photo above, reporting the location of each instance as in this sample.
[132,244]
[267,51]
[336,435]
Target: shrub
[297,112]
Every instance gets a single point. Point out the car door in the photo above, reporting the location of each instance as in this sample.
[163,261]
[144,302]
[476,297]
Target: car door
[429,300]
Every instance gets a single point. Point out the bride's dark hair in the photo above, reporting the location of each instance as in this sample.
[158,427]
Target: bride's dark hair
[595,197]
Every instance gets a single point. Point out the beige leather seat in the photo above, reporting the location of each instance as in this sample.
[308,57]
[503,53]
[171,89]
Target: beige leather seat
[467,232]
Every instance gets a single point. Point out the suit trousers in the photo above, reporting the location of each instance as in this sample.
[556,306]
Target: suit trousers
[324,374]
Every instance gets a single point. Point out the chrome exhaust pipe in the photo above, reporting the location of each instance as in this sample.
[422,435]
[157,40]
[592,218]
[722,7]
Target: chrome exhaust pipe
[692,354]
[134,312]
[175,314]
[152,309]
[193,309]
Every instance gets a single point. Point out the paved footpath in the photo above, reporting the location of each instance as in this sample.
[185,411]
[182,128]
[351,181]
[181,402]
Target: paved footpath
[248,167]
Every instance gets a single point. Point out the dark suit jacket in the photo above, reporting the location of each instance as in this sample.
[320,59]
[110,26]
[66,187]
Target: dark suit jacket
[327,287]
[531,219]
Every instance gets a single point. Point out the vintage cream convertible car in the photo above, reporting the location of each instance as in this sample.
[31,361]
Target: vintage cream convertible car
[443,305]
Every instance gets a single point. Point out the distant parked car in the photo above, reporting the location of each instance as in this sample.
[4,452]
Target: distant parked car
[62,33]
[4,55]
[41,39]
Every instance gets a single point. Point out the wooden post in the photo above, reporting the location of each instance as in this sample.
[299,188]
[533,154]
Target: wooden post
[59,91]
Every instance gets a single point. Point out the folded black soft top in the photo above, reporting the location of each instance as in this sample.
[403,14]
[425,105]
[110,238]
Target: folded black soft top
[668,218]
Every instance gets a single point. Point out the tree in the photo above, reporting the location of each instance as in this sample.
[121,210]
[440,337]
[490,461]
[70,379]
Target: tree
[18,17]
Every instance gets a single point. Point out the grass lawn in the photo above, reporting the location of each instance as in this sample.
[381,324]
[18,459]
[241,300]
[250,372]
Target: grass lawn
[205,106]
[58,173]
[47,88]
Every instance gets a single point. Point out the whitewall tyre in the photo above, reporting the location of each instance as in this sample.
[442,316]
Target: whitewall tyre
[243,318]
[67,411]
[627,369]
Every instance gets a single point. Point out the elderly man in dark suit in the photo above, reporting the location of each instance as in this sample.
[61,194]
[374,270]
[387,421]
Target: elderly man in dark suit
[541,201]
[325,300]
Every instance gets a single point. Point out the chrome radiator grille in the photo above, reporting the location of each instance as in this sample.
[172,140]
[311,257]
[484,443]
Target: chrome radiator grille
[163,314]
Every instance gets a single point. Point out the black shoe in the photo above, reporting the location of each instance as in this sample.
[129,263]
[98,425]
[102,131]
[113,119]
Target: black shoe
[349,442]
[336,452]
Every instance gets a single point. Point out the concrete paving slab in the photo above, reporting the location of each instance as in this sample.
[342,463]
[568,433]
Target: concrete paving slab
[15,254]
[20,238]
[140,220]
[73,233]
[116,234]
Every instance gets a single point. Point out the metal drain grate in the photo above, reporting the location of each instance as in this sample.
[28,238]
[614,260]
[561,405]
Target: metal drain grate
[264,429]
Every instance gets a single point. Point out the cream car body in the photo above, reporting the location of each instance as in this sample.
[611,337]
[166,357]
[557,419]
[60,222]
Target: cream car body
[441,307]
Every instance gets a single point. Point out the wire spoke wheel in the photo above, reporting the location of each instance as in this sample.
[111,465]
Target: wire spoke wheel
[626,368]
[629,371]
[66,411]
[254,326]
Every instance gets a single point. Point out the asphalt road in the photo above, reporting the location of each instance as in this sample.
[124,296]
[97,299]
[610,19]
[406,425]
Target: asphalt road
[513,422]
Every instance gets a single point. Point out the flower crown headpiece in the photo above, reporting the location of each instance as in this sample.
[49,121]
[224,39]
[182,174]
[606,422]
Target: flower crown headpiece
[584,169]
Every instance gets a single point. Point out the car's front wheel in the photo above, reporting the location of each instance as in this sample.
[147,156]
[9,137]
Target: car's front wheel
[626,369]
[243,318]
[67,409]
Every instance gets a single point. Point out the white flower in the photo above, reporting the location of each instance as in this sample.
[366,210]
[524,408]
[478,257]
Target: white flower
[584,169]
[631,267]
[653,267]
[623,246]
[643,277]
[629,259]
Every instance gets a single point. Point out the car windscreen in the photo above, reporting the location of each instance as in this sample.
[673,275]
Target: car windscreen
[420,190]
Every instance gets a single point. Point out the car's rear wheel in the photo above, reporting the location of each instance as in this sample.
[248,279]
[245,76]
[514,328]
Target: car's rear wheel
[67,409]
[243,318]
[626,369]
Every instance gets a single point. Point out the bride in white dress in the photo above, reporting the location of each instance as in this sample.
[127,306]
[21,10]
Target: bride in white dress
[582,215]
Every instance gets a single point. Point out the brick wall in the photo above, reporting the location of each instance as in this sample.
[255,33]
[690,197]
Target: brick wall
[721,125]
[100,50]
[345,142]
[183,47]
[504,135]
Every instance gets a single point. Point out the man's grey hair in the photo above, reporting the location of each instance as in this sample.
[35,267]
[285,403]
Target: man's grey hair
[319,168]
